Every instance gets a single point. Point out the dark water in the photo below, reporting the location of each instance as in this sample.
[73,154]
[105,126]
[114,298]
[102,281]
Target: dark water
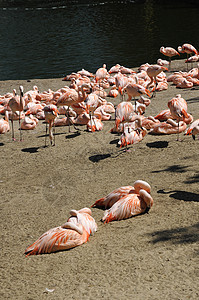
[55,38]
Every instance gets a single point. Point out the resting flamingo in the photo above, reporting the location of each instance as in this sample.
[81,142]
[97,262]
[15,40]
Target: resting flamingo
[4,124]
[169,127]
[51,112]
[124,113]
[178,109]
[137,201]
[132,136]
[73,233]
[117,194]
[193,129]
[29,123]
[16,104]
[101,73]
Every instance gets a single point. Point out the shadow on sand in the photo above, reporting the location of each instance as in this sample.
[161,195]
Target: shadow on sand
[174,168]
[181,195]
[158,144]
[181,235]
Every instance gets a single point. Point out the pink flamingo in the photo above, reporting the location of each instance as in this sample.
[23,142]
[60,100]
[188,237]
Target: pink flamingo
[71,97]
[135,90]
[73,233]
[117,194]
[51,112]
[136,201]
[4,124]
[153,71]
[193,129]
[16,103]
[29,123]
[178,108]
[170,52]
[169,127]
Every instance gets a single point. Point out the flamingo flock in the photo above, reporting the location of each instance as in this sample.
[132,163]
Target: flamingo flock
[83,102]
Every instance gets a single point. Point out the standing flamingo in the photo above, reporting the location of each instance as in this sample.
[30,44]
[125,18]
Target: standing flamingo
[101,74]
[188,49]
[17,103]
[71,97]
[135,90]
[170,52]
[153,72]
[51,112]
[121,81]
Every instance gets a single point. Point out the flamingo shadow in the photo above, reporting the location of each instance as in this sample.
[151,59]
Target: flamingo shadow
[193,179]
[158,144]
[181,235]
[174,168]
[73,135]
[98,157]
[32,149]
[181,195]
[192,100]
[114,142]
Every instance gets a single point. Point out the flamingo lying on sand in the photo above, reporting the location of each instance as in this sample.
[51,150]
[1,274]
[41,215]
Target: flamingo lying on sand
[178,108]
[193,129]
[73,233]
[132,136]
[4,124]
[169,127]
[114,196]
[137,200]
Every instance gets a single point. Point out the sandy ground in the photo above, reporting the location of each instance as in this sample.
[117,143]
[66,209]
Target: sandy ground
[151,256]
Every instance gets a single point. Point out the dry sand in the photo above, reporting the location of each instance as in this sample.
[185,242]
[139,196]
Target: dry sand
[151,256]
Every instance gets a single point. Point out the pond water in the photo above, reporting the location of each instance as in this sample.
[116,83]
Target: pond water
[55,38]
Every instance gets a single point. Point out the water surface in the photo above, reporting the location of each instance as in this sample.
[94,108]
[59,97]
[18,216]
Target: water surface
[47,41]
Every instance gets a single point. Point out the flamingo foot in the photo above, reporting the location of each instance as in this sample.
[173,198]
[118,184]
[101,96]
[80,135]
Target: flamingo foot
[127,150]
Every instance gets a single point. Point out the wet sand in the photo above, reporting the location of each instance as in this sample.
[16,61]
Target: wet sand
[151,256]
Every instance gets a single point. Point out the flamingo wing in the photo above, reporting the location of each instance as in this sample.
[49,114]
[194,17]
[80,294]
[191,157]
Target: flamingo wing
[114,196]
[128,206]
[57,239]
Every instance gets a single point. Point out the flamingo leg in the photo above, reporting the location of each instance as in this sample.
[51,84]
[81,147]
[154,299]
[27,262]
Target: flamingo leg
[71,122]
[13,138]
[20,126]
[135,105]
[54,132]
[46,133]
[178,132]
